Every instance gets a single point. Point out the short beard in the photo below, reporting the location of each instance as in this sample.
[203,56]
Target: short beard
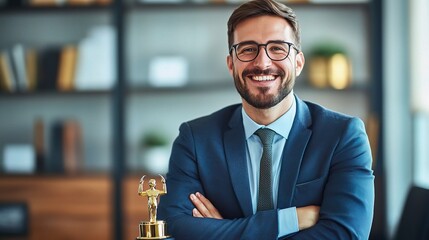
[263,100]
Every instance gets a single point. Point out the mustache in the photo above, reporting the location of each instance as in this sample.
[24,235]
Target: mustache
[258,71]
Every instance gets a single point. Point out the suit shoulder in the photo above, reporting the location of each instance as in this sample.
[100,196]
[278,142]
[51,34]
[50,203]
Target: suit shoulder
[334,127]
[319,111]
[327,117]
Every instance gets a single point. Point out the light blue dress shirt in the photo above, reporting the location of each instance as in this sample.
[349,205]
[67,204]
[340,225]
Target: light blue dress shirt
[288,219]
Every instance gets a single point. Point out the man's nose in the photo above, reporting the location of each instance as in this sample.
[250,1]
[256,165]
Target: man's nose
[262,60]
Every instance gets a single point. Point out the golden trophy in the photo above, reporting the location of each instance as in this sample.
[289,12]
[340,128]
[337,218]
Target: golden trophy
[152,229]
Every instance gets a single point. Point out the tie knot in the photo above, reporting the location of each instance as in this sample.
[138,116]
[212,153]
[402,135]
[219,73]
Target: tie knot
[266,135]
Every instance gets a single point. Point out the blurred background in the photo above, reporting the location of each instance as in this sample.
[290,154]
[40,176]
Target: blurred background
[92,93]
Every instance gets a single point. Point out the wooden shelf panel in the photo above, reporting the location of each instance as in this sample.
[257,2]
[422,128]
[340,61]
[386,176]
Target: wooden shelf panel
[63,207]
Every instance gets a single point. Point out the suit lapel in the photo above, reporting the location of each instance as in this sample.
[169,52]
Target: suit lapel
[235,151]
[292,154]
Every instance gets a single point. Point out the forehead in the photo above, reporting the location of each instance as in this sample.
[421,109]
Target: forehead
[262,29]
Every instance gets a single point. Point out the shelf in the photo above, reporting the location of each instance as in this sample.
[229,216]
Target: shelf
[54,93]
[44,9]
[150,89]
[188,88]
[352,88]
[228,84]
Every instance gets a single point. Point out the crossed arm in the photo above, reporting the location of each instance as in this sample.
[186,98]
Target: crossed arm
[307,216]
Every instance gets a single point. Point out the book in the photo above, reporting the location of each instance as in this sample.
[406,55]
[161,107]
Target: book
[45,3]
[19,66]
[48,65]
[31,64]
[4,84]
[5,80]
[97,60]
[72,147]
[80,2]
[54,163]
[39,144]
[67,68]
[7,76]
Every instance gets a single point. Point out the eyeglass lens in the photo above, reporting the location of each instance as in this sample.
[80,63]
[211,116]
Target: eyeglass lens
[275,51]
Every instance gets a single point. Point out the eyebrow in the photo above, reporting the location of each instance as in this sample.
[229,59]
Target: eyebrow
[251,41]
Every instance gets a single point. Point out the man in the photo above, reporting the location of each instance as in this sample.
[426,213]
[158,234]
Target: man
[320,183]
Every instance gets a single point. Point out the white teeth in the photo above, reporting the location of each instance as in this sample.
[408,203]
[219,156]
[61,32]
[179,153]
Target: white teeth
[263,78]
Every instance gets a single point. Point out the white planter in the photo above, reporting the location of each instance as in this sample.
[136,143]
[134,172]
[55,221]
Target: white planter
[155,160]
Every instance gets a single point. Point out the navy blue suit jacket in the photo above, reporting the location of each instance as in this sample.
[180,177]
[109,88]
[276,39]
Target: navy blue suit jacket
[326,161]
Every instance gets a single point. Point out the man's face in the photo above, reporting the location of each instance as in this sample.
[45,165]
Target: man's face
[263,83]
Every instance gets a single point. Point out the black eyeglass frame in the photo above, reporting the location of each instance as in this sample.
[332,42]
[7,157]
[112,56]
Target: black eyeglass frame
[265,46]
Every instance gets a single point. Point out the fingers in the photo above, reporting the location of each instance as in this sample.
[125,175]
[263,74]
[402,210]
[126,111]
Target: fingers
[307,216]
[203,207]
[314,210]
[211,209]
[199,206]
[196,213]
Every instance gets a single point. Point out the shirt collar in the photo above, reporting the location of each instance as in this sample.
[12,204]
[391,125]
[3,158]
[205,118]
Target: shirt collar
[281,126]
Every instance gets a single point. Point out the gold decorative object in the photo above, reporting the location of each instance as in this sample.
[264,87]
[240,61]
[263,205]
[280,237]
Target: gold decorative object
[152,229]
[330,67]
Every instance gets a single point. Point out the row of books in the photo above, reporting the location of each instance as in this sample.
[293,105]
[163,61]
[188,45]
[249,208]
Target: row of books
[28,69]
[65,153]
[88,65]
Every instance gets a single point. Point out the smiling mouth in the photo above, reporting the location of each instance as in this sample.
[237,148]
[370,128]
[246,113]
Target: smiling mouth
[262,78]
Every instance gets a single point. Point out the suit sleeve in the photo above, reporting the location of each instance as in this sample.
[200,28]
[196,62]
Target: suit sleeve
[176,208]
[346,211]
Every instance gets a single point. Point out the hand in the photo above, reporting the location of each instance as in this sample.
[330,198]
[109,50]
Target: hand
[307,216]
[162,178]
[203,207]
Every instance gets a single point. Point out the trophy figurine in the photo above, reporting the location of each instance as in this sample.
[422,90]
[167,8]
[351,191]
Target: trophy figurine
[152,229]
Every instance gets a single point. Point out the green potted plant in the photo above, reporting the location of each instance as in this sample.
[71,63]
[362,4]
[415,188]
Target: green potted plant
[154,152]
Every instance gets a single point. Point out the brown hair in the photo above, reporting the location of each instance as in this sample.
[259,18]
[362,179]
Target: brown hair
[256,8]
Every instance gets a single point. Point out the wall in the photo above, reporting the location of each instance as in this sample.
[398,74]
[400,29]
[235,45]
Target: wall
[397,124]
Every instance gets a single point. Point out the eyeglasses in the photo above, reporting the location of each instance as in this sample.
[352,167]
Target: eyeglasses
[276,50]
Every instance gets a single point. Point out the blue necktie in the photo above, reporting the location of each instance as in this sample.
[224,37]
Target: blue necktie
[265,195]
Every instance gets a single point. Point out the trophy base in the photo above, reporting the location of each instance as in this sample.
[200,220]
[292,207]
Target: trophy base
[153,230]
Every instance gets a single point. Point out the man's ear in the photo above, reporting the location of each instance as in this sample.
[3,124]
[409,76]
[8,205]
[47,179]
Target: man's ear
[230,64]
[299,63]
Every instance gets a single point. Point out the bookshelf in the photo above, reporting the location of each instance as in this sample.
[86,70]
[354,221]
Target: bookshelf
[114,118]
[41,29]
